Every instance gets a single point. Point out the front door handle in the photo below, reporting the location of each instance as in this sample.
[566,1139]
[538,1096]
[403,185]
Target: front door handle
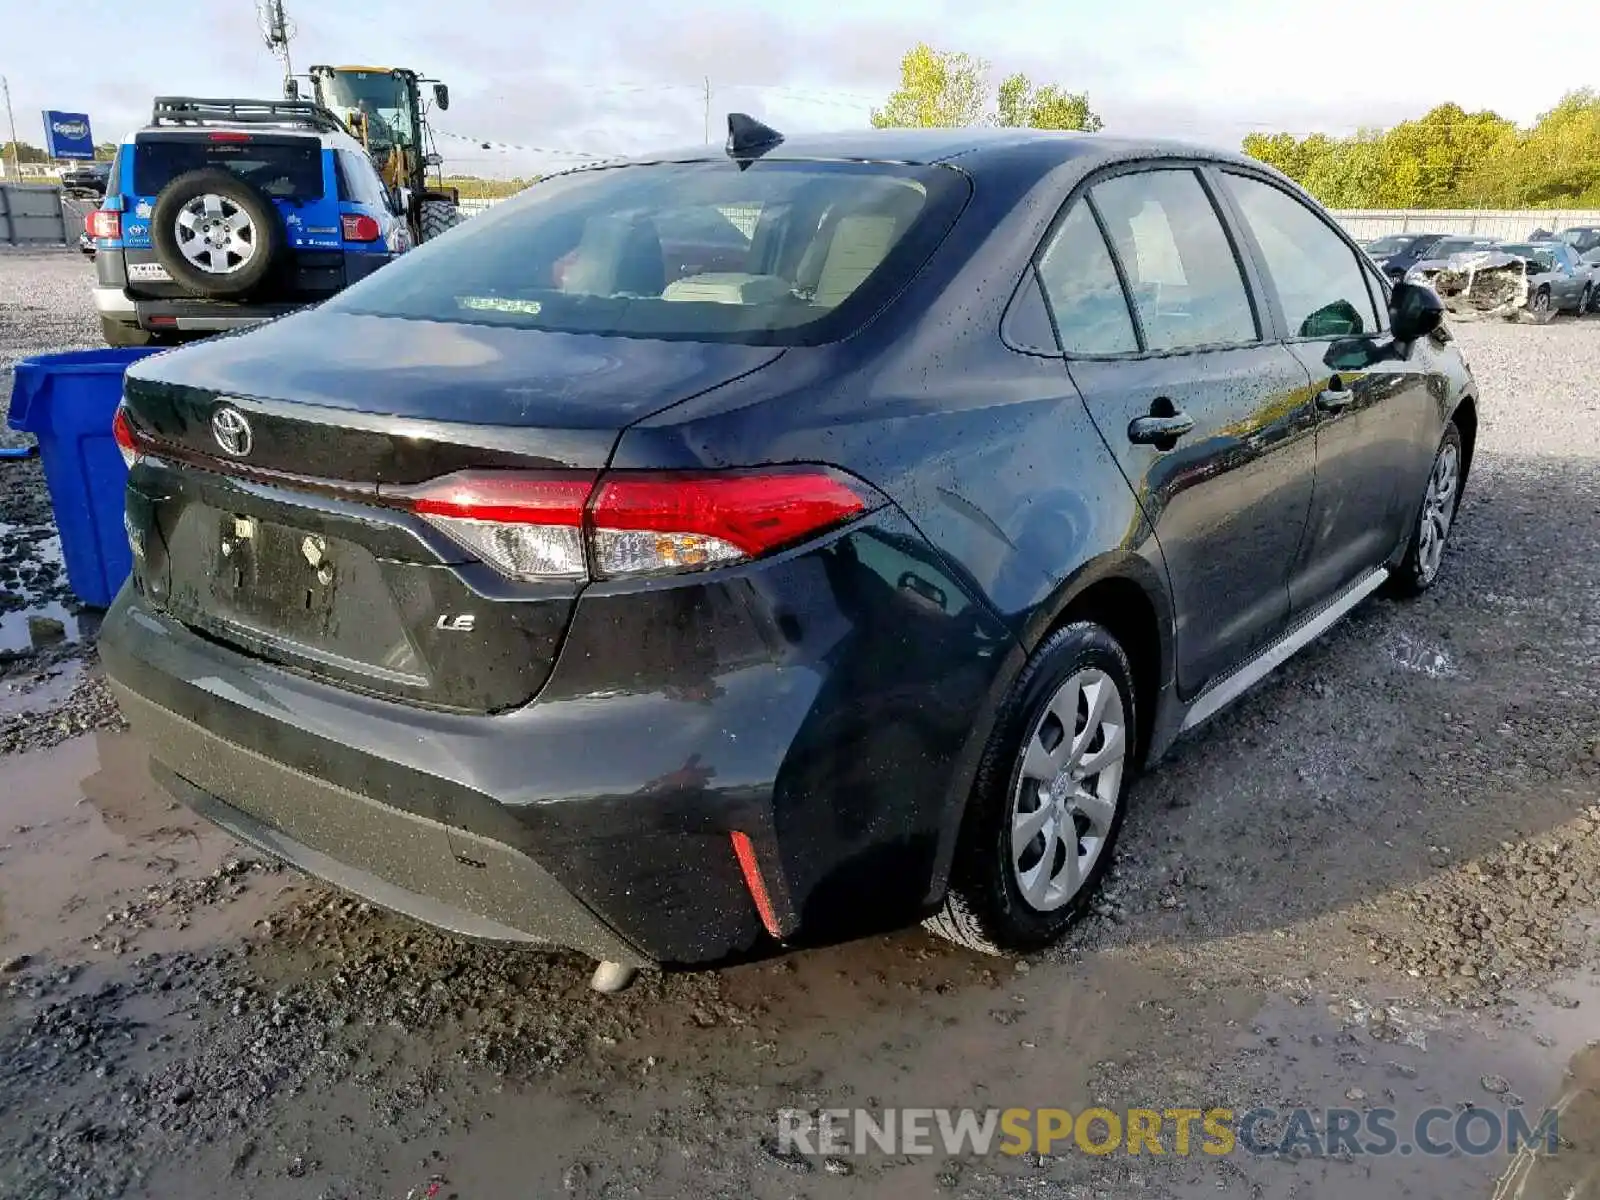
[1160,431]
[1335,396]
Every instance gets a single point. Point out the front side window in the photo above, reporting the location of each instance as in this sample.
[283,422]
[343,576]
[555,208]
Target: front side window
[1081,285]
[698,250]
[1186,283]
[1319,279]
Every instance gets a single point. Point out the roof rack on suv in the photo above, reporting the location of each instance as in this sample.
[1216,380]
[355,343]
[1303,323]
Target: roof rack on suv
[195,110]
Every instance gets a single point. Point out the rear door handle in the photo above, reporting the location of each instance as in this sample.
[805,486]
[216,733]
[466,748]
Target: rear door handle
[1335,396]
[1154,430]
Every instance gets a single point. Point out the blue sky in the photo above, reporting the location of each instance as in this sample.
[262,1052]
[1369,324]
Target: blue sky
[605,77]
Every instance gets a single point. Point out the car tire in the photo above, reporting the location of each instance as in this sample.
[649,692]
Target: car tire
[1541,307]
[438,216]
[1419,570]
[1003,899]
[1586,303]
[119,333]
[234,208]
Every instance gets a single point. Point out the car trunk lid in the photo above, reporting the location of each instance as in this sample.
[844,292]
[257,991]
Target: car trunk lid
[255,509]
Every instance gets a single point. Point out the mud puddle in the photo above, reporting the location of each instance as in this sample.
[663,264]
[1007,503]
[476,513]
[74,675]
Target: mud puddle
[96,859]
[39,692]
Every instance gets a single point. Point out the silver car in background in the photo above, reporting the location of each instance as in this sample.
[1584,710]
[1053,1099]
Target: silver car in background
[1558,279]
[1531,280]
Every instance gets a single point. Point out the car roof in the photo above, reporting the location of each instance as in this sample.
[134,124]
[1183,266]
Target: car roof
[974,147]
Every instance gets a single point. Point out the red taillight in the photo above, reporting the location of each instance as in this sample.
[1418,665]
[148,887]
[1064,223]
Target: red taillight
[532,526]
[103,224]
[753,513]
[223,135]
[122,431]
[359,228]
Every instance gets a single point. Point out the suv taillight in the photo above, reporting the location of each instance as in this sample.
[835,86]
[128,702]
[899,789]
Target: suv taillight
[359,228]
[543,526]
[102,223]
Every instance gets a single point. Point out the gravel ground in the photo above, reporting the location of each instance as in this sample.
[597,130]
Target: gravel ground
[1370,882]
[44,634]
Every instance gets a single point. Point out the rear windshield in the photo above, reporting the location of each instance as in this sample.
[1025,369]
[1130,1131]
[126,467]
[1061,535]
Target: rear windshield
[782,253]
[1543,258]
[284,168]
[1391,245]
[1451,246]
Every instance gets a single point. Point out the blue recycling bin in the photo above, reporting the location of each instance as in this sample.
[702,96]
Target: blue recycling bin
[67,401]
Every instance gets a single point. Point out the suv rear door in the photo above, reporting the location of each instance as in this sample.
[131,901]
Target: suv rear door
[1228,491]
[1374,402]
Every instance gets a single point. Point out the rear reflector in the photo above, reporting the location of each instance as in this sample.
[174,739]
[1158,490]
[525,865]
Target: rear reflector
[745,852]
[103,224]
[540,526]
[359,228]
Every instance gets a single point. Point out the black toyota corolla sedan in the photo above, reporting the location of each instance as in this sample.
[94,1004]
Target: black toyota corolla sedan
[757,546]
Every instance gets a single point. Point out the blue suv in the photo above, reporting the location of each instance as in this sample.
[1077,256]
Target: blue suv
[223,213]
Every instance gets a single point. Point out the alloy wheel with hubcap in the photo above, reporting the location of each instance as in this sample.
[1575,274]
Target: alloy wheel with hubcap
[1041,823]
[215,234]
[1438,511]
[1068,789]
[1441,500]
[1540,302]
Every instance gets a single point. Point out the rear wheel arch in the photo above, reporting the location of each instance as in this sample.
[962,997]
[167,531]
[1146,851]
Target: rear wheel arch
[1123,595]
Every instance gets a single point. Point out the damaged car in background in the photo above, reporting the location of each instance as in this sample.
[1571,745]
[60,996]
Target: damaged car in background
[1512,280]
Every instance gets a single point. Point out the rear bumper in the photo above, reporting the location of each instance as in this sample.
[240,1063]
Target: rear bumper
[394,858]
[808,703]
[166,306]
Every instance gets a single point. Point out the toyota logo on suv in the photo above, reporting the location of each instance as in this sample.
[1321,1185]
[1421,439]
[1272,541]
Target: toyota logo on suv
[232,431]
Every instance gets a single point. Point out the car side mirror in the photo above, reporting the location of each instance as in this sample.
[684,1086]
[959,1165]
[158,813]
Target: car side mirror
[441,96]
[433,159]
[1414,311]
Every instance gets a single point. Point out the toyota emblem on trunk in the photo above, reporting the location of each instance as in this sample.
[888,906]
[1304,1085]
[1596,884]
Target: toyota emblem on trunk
[232,431]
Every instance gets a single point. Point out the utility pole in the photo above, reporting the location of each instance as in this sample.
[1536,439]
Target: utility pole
[16,152]
[276,31]
[708,110]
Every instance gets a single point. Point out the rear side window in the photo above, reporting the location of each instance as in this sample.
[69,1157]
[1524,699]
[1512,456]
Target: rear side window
[781,253]
[1080,282]
[1187,287]
[357,183]
[1319,279]
[284,168]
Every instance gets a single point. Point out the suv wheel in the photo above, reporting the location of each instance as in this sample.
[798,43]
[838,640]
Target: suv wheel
[1441,498]
[215,234]
[1047,802]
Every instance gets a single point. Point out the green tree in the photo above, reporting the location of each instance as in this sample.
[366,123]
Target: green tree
[938,89]
[1451,158]
[22,152]
[105,151]
[1023,106]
